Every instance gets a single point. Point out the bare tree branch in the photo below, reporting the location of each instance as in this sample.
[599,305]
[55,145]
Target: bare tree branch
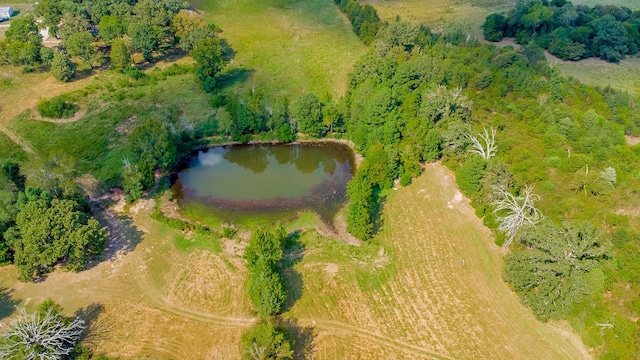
[489,148]
[36,337]
[518,211]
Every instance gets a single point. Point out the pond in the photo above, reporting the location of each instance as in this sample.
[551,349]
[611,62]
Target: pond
[240,182]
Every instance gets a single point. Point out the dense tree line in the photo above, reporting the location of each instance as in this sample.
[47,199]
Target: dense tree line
[542,158]
[570,32]
[267,339]
[263,254]
[364,19]
[88,29]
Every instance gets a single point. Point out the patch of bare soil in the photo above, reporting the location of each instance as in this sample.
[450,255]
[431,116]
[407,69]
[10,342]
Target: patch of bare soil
[338,231]
[632,140]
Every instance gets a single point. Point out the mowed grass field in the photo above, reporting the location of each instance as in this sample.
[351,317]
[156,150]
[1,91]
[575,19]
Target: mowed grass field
[287,47]
[428,287]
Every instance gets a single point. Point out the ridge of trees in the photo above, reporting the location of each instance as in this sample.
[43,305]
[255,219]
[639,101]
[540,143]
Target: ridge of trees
[570,32]
[364,19]
[267,339]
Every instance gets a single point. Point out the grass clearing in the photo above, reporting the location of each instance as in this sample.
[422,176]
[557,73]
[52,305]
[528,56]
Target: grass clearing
[286,47]
[194,241]
[624,76]
[427,287]
[440,14]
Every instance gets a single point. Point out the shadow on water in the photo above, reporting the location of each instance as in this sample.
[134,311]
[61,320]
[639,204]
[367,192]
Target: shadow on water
[93,329]
[293,254]
[254,158]
[7,304]
[122,235]
[303,337]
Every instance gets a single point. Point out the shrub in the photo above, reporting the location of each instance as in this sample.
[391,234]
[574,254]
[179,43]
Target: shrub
[56,108]
[133,72]
[469,175]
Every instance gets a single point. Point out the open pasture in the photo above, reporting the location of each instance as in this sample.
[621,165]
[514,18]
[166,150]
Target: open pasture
[427,287]
[286,47]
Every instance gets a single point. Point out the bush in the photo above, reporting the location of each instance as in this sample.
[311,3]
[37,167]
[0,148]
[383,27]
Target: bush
[56,108]
[269,340]
[133,72]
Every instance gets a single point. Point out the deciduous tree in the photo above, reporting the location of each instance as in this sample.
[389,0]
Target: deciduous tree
[558,268]
[307,111]
[207,54]
[120,55]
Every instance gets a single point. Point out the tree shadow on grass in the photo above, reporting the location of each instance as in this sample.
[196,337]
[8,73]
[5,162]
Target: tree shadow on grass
[234,76]
[94,328]
[122,237]
[303,336]
[293,254]
[7,304]
[376,219]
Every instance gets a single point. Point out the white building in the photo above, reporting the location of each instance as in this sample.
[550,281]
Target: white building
[5,13]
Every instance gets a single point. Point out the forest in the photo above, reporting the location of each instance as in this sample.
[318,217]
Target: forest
[543,159]
[569,32]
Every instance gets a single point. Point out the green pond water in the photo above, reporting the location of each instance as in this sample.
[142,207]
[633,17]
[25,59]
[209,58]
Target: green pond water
[237,182]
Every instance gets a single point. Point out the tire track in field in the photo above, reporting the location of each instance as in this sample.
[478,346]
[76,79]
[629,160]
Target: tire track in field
[158,300]
[405,347]
[24,145]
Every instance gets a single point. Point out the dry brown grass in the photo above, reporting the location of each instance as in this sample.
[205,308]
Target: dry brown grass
[440,295]
[428,287]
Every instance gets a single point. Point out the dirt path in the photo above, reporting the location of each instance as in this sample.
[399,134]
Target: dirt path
[24,94]
[17,139]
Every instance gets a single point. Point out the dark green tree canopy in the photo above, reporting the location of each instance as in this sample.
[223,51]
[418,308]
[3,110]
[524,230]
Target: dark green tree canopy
[307,111]
[266,342]
[52,231]
[561,266]
[567,31]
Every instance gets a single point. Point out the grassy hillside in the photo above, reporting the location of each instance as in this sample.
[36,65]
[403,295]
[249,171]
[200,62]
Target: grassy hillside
[425,288]
[287,47]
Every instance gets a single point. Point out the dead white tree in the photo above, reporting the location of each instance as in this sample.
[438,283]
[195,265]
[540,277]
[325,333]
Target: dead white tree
[487,148]
[37,337]
[516,210]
